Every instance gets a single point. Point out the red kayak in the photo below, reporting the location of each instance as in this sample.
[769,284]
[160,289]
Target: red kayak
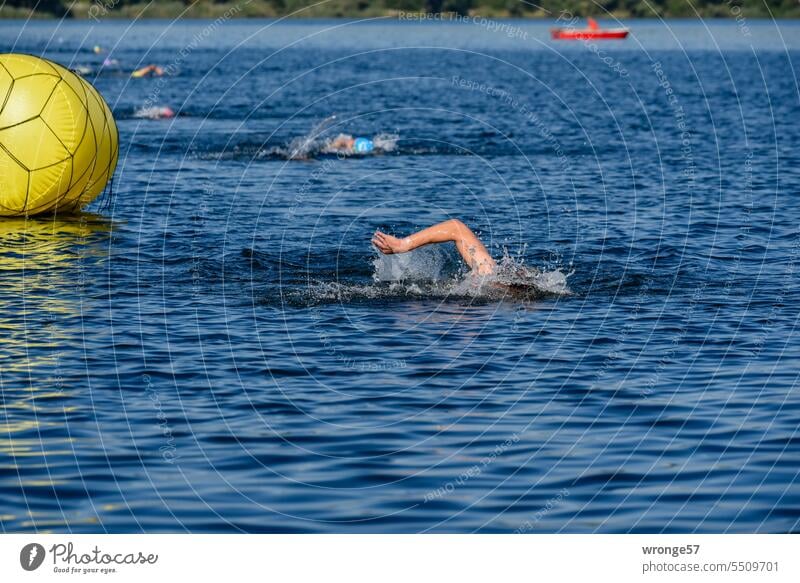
[593,32]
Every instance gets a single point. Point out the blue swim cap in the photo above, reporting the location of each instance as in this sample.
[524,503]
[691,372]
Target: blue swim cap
[363,145]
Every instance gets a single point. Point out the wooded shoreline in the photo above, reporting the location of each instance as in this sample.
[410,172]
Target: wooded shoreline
[400,9]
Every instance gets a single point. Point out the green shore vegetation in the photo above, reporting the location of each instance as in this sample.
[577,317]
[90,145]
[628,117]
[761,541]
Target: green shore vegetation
[100,9]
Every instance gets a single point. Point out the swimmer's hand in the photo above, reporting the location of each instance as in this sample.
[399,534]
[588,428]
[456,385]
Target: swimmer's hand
[387,244]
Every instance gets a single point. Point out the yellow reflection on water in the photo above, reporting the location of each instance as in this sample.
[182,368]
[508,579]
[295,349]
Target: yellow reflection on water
[47,243]
[30,448]
[42,278]
[17,427]
[40,284]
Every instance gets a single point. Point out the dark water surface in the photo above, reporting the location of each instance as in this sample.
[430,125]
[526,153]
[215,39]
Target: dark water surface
[218,349]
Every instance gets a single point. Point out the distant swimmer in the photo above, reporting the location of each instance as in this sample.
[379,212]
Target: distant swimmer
[342,145]
[82,70]
[149,70]
[470,248]
[346,143]
[155,112]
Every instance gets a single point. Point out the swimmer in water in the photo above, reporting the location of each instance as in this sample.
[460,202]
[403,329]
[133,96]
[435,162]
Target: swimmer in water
[348,144]
[156,112]
[470,248]
[149,70]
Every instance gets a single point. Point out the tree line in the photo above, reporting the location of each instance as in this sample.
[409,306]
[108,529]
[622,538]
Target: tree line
[492,8]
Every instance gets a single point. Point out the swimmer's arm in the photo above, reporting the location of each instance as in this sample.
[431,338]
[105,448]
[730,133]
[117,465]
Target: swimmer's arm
[470,248]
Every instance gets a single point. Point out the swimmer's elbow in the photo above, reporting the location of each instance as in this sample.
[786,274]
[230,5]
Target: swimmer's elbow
[457,226]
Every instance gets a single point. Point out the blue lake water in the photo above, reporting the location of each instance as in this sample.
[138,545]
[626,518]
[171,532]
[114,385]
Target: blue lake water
[216,347]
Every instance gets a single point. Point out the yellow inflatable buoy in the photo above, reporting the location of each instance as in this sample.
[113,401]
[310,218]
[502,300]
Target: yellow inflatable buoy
[58,139]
